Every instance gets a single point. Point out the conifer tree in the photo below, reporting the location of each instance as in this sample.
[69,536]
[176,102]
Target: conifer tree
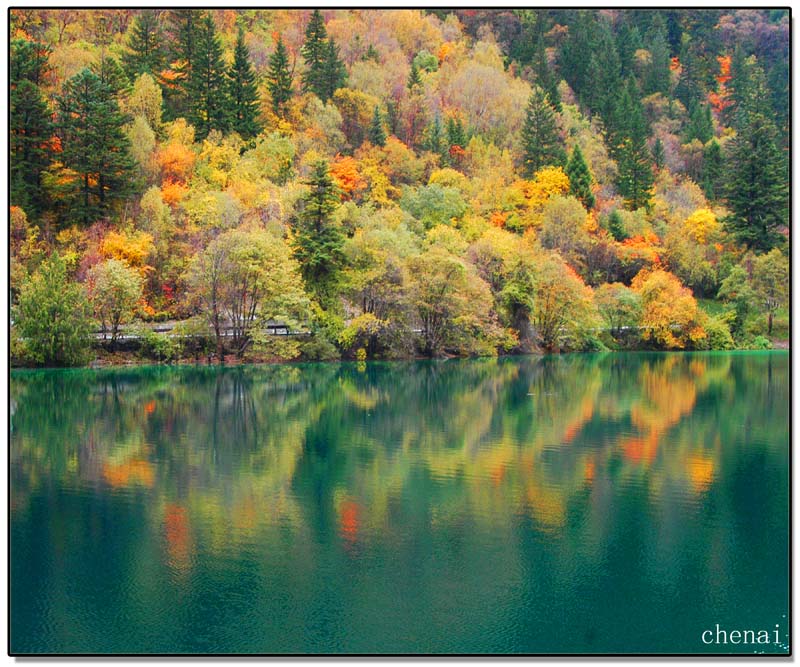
[146,51]
[334,71]
[377,133]
[701,126]
[208,95]
[434,137]
[94,145]
[30,125]
[182,29]
[456,136]
[657,75]
[318,240]
[315,53]
[580,178]
[545,77]
[757,183]
[414,78]
[541,143]
[658,154]
[712,170]
[629,149]
[242,92]
[279,79]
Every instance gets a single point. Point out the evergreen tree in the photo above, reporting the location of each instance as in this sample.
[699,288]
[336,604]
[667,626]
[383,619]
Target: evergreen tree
[315,54]
[318,240]
[629,149]
[580,178]
[30,125]
[111,74]
[208,95]
[616,226]
[689,88]
[456,136]
[628,41]
[712,170]
[434,137]
[657,75]
[377,134]
[544,75]
[541,143]
[146,50]
[279,79]
[94,145]
[701,125]
[658,154]
[334,71]
[242,92]
[757,183]
[414,78]
[182,29]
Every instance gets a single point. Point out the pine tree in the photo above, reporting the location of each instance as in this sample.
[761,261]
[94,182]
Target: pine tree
[279,79]
[658,154]
[580,178]
[712,170]
[689,88]
[629,149]
[414,78]
[545,77]
[434,137]
[111,74]
[540,139]
[315,53]
[94,145]
[757,183]
[242,92]
[616,226]
[658,76]
[318,240]
[208,95]
[146,51]
[701,125]
[182,29]
[456,136]
[377,133]
[30,125]
[334,71]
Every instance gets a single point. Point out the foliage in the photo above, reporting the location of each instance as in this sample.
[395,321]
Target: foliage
[51,315]
[114,289]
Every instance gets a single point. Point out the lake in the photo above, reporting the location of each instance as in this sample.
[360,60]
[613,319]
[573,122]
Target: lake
[623,502]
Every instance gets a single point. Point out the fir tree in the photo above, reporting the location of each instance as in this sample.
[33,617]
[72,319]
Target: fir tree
[94,145]
[242,92]
[182,29]
[334,71]
[414,78]
[279,79]
[315,53]
[146,52]
[208,99]
[377,133]
[30,125]
[434,137]
[456,136]
[701,125]
[540,139]
[545,77]
[629,149]
[616,226]
[318,240]
[657,75]
[712,170]
[756,192]
[658,154]
[580,178]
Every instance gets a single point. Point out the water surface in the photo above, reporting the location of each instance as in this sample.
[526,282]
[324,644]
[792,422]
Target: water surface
[578,503]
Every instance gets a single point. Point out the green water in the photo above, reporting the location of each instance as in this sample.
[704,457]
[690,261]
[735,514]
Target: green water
[582,503]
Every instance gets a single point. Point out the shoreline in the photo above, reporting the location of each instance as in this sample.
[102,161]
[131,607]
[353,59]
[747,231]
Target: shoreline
[121,360]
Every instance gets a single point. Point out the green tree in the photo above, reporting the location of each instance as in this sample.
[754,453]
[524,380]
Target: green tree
[279,79]
[628,145]
[208,97]
[757,183]
[30,125]
[541,143]
[315,52]
[771,283]
[580,178]
[182,36]
[114,290]
[658,153]
[737,291]
[94,146]
[619,306]
[318,240]
[712,173]
[334,71]
[242,92]
[657,76]
[377,133]
[700,126]
[146,46]
[52,316]
[414,78]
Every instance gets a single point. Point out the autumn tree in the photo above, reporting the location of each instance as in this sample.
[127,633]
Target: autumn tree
[541,143]
[182,28]
[52,316]
[318,241]
[771,283]
[619,306]
[243,111]
[114,290]
[94,146]
[279,79]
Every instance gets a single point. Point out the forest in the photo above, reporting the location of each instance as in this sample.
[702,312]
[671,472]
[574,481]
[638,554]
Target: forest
[383,184]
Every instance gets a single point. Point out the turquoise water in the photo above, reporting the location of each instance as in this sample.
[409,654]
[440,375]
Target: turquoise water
[577,503]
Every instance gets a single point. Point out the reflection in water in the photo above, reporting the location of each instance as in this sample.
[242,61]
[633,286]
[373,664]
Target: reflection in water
[483,505]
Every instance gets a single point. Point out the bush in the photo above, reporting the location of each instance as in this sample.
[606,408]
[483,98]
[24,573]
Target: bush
[158,346]
[761,343]
[718,334]
[319,348]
